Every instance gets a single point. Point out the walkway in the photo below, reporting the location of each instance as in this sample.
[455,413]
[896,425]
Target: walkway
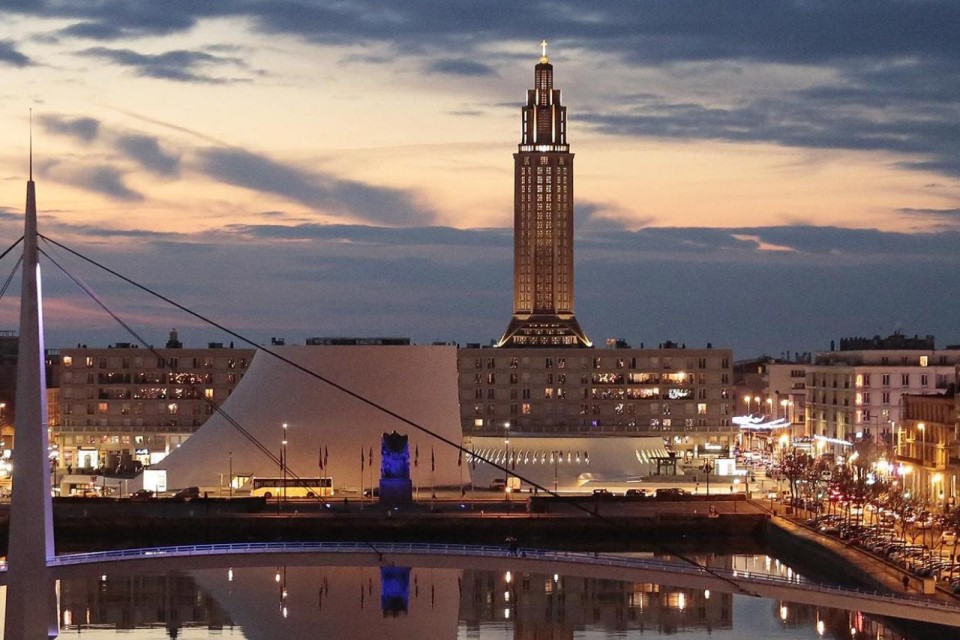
[601,566]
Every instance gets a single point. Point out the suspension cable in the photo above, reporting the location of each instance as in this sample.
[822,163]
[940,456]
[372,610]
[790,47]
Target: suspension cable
[249,436]
[375,405]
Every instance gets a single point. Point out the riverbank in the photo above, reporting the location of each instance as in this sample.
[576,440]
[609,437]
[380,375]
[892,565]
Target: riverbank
[94,524]
[848,563]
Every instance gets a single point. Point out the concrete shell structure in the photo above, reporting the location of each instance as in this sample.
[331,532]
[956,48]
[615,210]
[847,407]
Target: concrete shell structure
[573,463]
[416,382]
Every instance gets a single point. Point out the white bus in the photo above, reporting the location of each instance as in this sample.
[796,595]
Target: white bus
[295,487]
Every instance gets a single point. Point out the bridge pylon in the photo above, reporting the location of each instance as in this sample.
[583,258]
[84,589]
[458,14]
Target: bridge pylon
[31,608]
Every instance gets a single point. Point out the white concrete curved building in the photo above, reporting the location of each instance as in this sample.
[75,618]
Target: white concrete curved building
[416,382]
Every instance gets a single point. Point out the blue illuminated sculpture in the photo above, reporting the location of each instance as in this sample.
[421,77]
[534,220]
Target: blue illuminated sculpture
[395,486]
[394,590]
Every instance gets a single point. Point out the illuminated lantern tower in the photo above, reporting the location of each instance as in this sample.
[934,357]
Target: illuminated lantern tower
[543,224]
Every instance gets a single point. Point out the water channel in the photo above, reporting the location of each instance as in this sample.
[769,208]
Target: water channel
[355,603]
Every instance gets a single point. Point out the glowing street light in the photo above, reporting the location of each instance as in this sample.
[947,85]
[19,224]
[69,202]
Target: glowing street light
[923,455]
[283,461]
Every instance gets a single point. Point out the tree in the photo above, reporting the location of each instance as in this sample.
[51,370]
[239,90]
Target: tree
[795,466]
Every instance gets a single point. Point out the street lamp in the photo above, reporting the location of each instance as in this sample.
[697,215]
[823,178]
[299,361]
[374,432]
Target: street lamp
[283,461]
[746,401]
[506,459]
[923,457]
[757,400]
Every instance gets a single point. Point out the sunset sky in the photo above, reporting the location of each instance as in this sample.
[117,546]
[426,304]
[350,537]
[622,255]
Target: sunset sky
[765,176]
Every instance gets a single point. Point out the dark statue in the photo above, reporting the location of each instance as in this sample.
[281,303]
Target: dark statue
[396,489]
[394,456]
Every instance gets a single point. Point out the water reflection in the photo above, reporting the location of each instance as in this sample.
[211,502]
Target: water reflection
[445,604]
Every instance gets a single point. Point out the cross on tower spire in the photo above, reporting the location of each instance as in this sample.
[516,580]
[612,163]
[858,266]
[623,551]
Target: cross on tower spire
[543,56]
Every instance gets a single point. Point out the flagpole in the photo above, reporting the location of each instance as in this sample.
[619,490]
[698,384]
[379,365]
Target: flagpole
[361,478]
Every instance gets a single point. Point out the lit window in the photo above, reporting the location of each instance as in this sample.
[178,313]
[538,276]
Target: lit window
[68,361]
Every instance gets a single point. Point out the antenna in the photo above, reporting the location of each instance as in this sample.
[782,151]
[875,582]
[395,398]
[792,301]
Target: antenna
[31,144]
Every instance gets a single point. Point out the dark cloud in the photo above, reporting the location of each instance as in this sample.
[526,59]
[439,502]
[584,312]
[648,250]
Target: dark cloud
[94,31]
[86,129]
[630,285]
[146,151]
[460,67]
[179,66]
[894,67]
[104,180]
[364,234]
[655,31]
[793,120]
[9,55]
[597,216]
[319,191]
[943,217]
[333,195]
[365,58]
[798,243]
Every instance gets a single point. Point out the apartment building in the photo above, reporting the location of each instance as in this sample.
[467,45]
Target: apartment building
[125,404]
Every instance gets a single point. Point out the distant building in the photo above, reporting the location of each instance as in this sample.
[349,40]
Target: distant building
[544,378]
[857,392]
[543,223]
[346,341]
[682,395]
[926,444]
[125,403]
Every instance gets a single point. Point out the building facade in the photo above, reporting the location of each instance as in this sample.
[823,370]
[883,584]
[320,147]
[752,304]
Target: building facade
[126,404]
[543,292]
[926,446]
[683,395]
[856,391]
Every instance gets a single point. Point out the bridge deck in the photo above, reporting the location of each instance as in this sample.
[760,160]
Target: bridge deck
[605,566]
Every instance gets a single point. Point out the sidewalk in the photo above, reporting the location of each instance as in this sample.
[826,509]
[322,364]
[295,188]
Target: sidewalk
[887,574]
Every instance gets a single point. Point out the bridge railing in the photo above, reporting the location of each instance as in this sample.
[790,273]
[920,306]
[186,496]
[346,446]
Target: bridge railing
[424,549]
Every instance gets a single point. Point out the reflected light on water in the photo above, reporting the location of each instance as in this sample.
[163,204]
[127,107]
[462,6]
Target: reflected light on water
[359,603]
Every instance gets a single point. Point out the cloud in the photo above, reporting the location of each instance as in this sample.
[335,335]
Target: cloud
[633,285]
[105,180]
[384,236]
[9,55]
[460,67]
[810,244]
[180,65]
[146,151]
[881,86]
[600,216]
[86,129]
[319,191]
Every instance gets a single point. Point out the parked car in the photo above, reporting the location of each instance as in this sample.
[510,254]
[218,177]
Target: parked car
[602,493]
[636,493]
[187,493]
[141,494]
[670,492]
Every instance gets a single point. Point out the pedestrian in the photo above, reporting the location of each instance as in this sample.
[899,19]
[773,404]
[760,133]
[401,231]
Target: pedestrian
[906,583]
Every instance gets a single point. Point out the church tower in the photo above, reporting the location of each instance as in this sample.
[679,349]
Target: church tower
[543,223]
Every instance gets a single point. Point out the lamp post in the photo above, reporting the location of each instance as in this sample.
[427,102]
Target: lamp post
[230,472]
[746,401]
[757,400]
[283,461]
[923,457]
[556,460]
[506,459]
